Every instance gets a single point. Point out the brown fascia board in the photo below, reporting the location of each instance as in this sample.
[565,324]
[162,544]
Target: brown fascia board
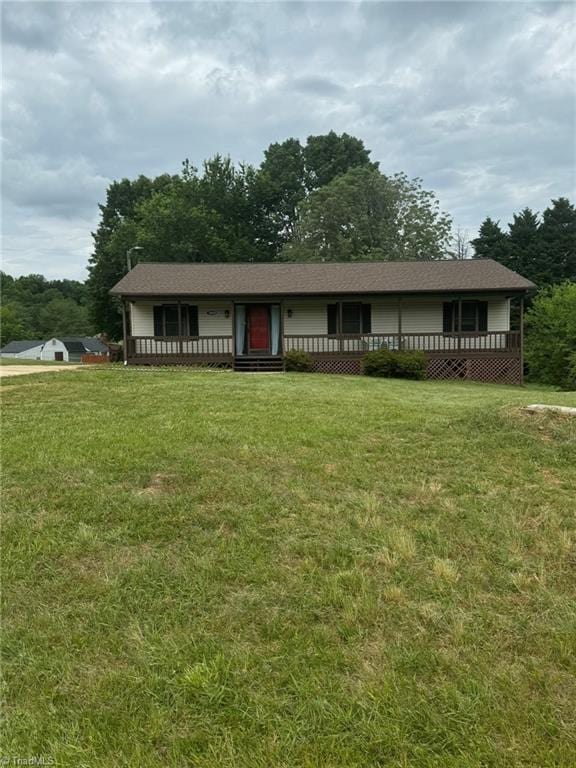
[392,294]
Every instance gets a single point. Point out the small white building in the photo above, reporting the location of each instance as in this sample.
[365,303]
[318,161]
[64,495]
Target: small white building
[23,350]
[70,349]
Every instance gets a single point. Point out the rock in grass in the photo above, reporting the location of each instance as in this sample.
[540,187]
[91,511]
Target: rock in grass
[539,408]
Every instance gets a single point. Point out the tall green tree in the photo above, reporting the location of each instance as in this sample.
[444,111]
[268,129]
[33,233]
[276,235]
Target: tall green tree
[14,325]
[492,242]
[524,244]
[212,217]
[366,215]
[291,171]
[64,317]
[558,235]
[330,155]
[551,336]
[111,241]
[282,185]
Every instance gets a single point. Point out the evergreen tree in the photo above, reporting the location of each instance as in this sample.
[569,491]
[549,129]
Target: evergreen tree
[558,234]
[492,242]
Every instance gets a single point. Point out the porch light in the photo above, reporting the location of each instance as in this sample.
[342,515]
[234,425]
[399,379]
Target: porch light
[289,313]
[226,313]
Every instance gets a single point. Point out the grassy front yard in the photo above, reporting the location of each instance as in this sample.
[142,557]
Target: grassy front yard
[232,571]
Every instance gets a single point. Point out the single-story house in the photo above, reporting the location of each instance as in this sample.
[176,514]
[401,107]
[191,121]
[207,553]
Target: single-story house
[23,350]
[73,348]
[247,316]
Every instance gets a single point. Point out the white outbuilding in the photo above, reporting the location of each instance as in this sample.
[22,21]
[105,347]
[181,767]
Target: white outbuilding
[23,350]
[70,349]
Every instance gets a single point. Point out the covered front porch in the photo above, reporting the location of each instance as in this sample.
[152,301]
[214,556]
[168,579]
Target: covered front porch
[180,350]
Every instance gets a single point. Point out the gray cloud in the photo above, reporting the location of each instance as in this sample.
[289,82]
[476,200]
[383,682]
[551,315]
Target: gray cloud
[475,98]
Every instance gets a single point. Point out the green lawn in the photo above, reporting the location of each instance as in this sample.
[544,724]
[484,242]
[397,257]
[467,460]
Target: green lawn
[243,571]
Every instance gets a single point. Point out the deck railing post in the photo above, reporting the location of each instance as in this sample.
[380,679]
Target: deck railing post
[180,347]
[400,342]
[459,324]
[521,340]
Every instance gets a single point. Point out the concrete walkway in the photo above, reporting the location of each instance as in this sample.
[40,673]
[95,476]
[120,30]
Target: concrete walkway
[24,370]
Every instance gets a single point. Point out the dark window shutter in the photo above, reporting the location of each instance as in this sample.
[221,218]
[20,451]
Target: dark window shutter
[193,320]
[448,325]
[332,318]
[366,318]
[185,320]
[158,321]
[482,315]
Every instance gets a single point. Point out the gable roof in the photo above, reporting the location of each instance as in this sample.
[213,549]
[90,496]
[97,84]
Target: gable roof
[21,346]
[90,343]
[82,344]
[285,279]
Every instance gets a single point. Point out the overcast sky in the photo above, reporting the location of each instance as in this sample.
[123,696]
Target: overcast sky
[476,98]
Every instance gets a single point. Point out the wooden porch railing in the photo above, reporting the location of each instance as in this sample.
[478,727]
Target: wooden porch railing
[184,346]
[321,345]
[433,343]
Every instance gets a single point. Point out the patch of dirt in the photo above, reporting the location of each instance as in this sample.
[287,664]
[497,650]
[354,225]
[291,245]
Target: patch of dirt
[157,485]
[550,477]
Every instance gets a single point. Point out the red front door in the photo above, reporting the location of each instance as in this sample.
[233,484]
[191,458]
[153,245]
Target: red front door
[259,328]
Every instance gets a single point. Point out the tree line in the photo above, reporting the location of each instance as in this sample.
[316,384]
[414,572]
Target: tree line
[35,308]
[542,249]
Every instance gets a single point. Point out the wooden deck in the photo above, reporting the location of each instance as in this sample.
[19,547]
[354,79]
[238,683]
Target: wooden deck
[214,349]
[494,356]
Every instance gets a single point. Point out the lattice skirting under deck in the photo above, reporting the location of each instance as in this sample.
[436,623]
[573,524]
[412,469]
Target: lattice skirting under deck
[492,370]
[338,365]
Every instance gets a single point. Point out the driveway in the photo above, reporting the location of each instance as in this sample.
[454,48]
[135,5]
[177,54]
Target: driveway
[23,370]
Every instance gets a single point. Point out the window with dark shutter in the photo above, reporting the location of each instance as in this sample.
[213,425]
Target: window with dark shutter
[482,316]
[448,319]
[332,313]
[193,320]
[158,321]
[366,318]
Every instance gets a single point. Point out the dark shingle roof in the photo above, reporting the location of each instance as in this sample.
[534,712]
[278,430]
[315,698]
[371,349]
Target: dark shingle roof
[21,346]
[280,278]
[74,345]
[83,344]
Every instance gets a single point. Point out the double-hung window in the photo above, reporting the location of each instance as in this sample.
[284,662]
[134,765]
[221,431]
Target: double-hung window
[349,317]
[166,320]
[473,319]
